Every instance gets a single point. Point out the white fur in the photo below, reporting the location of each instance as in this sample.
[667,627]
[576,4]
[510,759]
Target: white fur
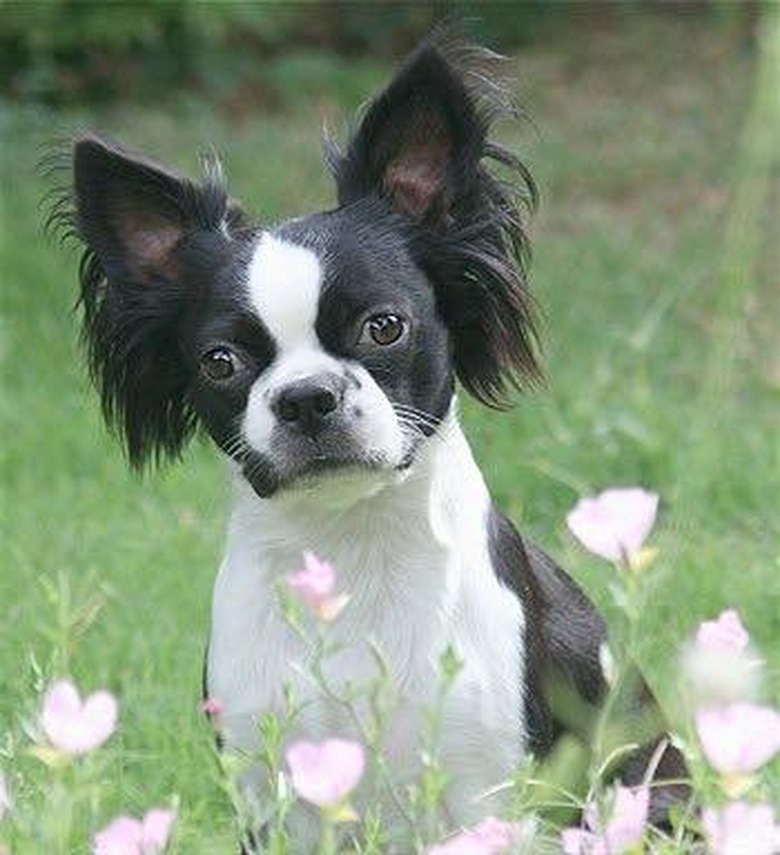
[284,282]
[412,553]
[284,288]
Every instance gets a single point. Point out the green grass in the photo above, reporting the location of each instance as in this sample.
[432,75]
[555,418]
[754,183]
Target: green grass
[654,377]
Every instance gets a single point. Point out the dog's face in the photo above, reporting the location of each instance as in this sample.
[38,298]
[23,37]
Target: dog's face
[320,349]
[327,342]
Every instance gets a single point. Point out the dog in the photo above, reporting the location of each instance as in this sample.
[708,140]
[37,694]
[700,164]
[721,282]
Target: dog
[321,355]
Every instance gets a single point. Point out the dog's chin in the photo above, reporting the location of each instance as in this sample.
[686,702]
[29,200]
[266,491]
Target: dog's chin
[336,479]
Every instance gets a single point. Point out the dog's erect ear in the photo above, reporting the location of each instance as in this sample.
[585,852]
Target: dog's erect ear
[417,142]
[422,145]
[134,219]
[133,213]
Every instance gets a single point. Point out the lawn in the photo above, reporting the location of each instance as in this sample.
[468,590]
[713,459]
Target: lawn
[663,369]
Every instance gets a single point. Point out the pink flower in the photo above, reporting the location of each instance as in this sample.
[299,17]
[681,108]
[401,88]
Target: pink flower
[739,738]
[488,837]
[325,773]
[624,828]
[720,665]
[129,836]
[212,707]
[75,726]
[614,524]
[742,829]
[724,634]
[120,837]
[314,585]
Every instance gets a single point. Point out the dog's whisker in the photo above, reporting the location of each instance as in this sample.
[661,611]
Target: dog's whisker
[420,417]
[236,446]
[418,414]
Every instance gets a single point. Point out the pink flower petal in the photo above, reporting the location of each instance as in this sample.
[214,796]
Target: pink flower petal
[212,707]
[725,633]
[488,837]
[74,726]
[314,582]
[121,837]
[623,830]
[325,773]
[720,666]
[738,738]
[61,703]
[157,825]
[578,841]
[614,524]
[497,832]
[98,719]
[742,829]
[626,825]
[129,836]
[314,585]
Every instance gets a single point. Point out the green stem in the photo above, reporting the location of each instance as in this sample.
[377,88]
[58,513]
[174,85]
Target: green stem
[327,845]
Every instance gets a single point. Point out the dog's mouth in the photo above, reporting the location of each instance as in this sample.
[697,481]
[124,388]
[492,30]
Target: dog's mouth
[298,462]
[271,474]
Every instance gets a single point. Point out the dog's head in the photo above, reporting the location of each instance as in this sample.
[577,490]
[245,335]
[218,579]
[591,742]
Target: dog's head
[324,342]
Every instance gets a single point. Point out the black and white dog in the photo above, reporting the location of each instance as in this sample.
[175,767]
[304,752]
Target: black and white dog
[321,355]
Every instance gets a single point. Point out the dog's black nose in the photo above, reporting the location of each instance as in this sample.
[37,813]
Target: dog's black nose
[308,404]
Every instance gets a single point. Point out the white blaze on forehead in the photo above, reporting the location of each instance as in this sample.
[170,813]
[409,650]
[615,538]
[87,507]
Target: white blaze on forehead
[284,290]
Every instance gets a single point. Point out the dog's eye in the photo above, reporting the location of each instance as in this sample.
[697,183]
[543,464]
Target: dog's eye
[383,329]
[219,364]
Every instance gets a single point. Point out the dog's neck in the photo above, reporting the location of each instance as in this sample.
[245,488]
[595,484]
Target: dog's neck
[410,551]
[363,520]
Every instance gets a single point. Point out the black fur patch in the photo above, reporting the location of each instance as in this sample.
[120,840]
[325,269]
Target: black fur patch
[563,630]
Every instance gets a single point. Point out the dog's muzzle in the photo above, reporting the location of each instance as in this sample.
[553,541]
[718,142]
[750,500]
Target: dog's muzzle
[310,406]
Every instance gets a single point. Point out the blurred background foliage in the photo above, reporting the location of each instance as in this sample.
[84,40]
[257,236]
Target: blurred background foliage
[245,54]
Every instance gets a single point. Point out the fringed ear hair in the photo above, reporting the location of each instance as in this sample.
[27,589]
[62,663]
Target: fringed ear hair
[422,145]
[133,218]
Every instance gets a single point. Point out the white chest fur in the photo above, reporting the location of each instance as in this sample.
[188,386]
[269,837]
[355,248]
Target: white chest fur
[412,553]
